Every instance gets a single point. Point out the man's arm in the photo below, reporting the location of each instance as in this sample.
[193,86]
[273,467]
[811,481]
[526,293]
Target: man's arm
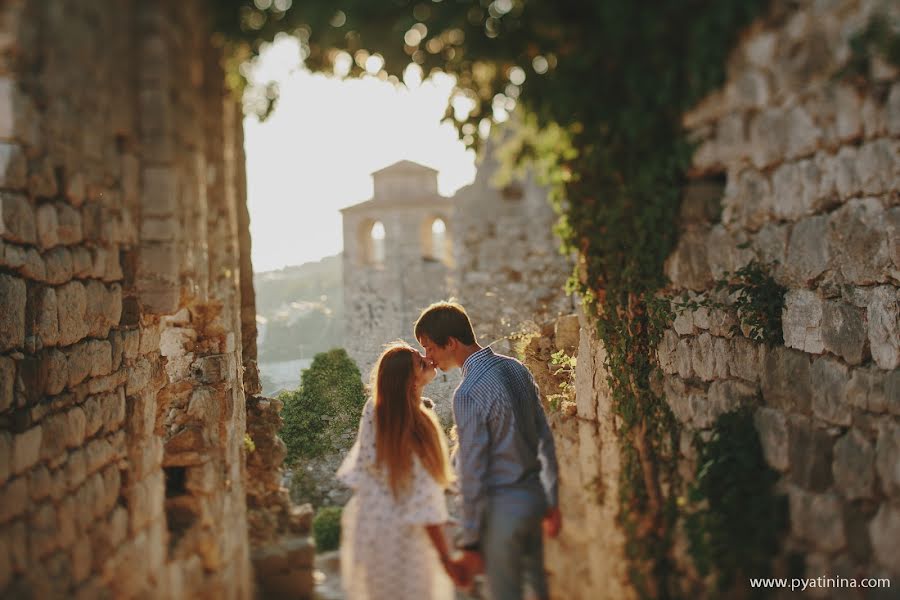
[549,467]
[472,461]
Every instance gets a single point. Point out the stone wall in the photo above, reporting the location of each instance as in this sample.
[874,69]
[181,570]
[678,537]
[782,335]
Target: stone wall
[122,415]
[798,166]
[810,164]
[587,561]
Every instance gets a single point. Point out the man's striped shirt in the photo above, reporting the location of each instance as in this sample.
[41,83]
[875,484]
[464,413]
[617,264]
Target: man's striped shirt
[505,442]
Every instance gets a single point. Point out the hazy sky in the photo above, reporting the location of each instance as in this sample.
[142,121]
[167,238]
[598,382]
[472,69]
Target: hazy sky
[315,153]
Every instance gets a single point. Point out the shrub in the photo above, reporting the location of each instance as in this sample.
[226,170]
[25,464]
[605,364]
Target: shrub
[327,528]
[325,408]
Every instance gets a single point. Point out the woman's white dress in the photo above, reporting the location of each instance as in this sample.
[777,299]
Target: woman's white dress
[385,552]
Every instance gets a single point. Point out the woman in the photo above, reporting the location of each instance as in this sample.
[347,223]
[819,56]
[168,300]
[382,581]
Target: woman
[392,542]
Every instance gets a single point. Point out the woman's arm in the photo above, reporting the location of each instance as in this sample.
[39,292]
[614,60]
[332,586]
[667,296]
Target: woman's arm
[436,533]
[454,570]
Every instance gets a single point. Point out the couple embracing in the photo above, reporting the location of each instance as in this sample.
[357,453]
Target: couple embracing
[393,545]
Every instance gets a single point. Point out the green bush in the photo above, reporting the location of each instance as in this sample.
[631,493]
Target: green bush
[327,528]
[325,408]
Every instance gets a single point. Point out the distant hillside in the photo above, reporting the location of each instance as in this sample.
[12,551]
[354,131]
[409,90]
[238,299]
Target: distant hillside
[299,310]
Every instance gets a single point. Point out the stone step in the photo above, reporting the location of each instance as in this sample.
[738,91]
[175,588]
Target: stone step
[284,569]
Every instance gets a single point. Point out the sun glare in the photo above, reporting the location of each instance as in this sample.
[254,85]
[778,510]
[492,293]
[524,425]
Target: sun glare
[316,152]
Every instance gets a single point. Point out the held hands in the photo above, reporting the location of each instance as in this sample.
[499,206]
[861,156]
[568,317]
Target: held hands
[463,568]
[552,522]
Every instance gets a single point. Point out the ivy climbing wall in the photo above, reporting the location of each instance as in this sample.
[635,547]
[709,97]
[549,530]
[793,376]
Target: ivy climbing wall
[780,360]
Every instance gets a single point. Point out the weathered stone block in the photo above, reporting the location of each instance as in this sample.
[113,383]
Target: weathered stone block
[97,454]
[887,462]
[847,179]
[858,238]
[892,392]
[875,166]
[159,197]
[100,353]
[683,323]
[772,427]
[81,557]
[802,321]
[42,530]
[70,225]
[53,371]
[786,380]
[17,222]
[723,355]
[810,454]
[39,484]
[103,307]
[12,317]
[726,252]
[703,357]
[15,499]
[42,315]
[62,430]
[6,573]
[829,383]
[79,363]
[688,266]
[214,369]
[748,200]
[893,110]
[727,396]
[800,189]
[817,519]
[853,468]
[844,331]
[683,358]
[768,137]
[883,316]
[72,302]
[6,453]
[746,358]
[75,471]
[47,226]
[7,382]
[771,243]
[138,376]
[59,266]
[82,266]
[131,340]
[93,414]
[666,352]
[13,168]
[884,531]
[866,390]
[808,252]
[26,449]
[150,339]
[140,415]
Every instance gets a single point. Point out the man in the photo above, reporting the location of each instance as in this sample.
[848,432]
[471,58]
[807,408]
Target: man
[506,457]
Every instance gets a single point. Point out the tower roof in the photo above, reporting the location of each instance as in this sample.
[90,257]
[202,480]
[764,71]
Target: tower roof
[404,167]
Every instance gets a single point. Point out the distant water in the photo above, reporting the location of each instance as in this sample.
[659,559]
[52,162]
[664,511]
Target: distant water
[283,375]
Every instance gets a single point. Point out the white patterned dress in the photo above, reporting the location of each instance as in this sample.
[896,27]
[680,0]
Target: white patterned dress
[386,553]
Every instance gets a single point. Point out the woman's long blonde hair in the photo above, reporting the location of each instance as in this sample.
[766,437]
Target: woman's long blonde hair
[402,425]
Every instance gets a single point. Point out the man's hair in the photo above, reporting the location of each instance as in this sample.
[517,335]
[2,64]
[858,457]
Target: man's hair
[444,320]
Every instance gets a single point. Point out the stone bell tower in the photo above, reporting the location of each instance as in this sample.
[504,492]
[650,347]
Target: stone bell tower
[398,258]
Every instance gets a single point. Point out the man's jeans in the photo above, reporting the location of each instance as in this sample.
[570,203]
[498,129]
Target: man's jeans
[513,544]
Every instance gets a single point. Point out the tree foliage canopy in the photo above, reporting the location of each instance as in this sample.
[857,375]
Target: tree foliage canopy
[325,409]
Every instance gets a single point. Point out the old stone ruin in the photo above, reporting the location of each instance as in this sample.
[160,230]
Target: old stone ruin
[137,458]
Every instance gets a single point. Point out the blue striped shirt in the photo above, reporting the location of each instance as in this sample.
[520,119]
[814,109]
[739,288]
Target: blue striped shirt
[505,442]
